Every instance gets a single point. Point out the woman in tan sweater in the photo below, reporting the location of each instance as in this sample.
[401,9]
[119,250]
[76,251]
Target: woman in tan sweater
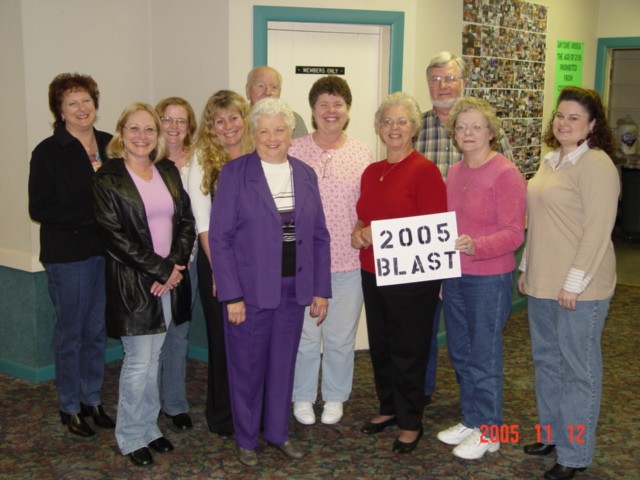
[569,275]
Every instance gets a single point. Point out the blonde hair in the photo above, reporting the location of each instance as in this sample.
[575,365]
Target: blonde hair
[161,107]
[211,153]
[115,148]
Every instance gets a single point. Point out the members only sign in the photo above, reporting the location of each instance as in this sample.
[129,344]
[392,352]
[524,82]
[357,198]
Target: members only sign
[415,249]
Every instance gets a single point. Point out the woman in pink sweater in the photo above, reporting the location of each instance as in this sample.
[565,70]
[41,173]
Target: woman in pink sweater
[487,193]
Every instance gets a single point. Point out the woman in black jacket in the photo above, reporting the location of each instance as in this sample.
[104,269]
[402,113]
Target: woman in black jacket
[148,231]
[61,170]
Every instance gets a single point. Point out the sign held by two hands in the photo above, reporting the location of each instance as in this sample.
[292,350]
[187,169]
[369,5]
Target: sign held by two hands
[415,249]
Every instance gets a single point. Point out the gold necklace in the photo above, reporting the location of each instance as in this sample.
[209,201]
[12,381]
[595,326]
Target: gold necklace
[386,172]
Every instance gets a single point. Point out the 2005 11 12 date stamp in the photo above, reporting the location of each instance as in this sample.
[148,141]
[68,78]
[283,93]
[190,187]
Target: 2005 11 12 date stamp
[510,433]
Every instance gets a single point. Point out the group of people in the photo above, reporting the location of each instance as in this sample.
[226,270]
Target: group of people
[273,226]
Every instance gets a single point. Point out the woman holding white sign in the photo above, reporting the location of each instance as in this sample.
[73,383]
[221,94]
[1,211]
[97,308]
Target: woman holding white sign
[487,193]
[399,317]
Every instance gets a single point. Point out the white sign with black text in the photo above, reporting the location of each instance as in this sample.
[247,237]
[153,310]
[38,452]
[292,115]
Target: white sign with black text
[415,249]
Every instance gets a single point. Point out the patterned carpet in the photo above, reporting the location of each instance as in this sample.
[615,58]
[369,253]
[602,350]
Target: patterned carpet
[36,446]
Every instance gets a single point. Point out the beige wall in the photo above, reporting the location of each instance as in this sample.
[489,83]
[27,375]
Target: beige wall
[149,49]
[619,18]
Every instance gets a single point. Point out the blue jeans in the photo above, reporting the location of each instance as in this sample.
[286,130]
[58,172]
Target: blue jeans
[173,361]
[337,335]
[476,308]
[138,395]
[432,363]
[568,360]
[77,290]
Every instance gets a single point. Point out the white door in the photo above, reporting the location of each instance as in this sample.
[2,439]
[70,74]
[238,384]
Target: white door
[363,52]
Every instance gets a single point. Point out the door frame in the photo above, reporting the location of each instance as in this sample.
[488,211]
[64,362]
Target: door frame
[395,20]
[603,61]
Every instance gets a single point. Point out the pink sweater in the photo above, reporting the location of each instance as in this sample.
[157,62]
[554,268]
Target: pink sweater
[489,202]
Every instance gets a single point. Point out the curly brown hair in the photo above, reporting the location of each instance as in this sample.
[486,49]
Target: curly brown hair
[210,152]
[601,135]
[69,82]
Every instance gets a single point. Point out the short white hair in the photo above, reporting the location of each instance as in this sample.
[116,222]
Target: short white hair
[270,107]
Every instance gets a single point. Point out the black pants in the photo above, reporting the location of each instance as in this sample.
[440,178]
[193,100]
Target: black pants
[218,407]
[400,325]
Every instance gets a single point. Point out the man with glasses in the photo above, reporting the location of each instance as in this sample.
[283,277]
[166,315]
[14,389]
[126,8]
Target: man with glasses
[447,76]
[265,82]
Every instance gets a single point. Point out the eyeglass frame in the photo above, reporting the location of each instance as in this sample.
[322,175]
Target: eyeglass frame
[470,128]
[136,130]
[400,122]
[448,79]
[182,123]
[325,164]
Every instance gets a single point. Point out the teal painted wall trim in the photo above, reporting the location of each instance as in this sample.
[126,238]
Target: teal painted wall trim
[47,372]
[262,15]
[605,44]
[199,353]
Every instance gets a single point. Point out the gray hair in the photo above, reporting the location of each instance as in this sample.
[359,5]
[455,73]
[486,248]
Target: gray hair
[464,104]
[270,107]
[443,58]
[253,71]
[401,99]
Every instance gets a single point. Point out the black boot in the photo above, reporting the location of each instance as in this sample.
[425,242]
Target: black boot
[76,424]
[100,418]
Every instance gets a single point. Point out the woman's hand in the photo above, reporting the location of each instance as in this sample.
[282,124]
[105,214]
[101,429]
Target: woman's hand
[465,244]
[236,312]
[319,307]
[567,300]
[158,289]
[521,283]
[361,237]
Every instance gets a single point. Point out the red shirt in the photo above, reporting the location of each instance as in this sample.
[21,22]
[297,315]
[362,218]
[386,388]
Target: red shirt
[411,187]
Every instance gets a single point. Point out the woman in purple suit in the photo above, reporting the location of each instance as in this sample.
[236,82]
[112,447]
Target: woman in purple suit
[270,258]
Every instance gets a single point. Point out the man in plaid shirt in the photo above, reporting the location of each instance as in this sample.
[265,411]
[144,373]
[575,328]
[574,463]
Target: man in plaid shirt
[447,76]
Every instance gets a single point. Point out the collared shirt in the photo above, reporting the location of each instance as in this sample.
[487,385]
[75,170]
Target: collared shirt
[434,143]
[572,157]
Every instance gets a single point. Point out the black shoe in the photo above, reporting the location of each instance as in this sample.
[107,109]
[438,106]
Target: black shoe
[181,421]
[76,424]
[539,448]
[97,413]
[141,457]
[560,472]
[402,447]
[224,435]
[371,428]
[161,445]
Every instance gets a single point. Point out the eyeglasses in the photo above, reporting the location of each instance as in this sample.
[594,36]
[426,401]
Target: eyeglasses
[135,130]
[469,128]
[180,122]
[447,80]
[390,122]
[325,159]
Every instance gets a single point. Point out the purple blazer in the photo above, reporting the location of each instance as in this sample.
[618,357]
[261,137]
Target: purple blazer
[245,236]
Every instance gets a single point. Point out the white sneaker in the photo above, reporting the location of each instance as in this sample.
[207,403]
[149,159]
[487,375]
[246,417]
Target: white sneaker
[475,446]
[454,435]
[303,411]
[332,413]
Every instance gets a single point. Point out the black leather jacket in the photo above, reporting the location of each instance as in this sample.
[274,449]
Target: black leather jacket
[132,265]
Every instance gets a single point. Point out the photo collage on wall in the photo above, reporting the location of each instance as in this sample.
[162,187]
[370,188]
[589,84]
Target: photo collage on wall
[504,44]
